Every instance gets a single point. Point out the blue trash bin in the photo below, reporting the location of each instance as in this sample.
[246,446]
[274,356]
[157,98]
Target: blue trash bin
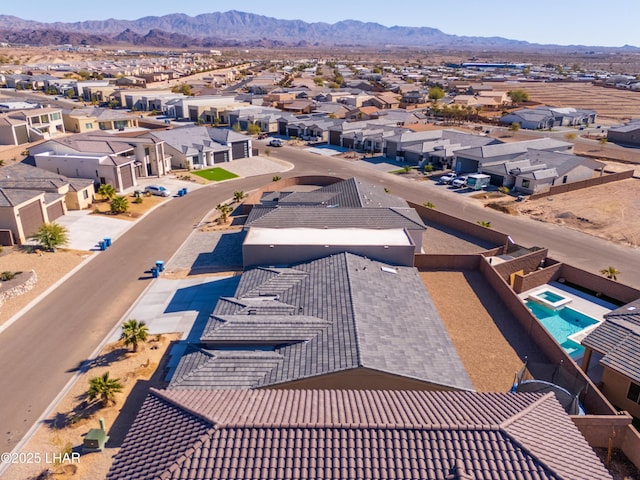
[184,190]
[107,241]
[160,265]
[102,245]
[180,193]
[155,273]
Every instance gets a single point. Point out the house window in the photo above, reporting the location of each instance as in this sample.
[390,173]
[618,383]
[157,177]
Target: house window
[526,183]
[564,179]
[88,126]
[85,194]
[634,393]
[55,116]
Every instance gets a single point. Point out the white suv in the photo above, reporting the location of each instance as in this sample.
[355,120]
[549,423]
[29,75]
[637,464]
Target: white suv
[157,190]
[460,181]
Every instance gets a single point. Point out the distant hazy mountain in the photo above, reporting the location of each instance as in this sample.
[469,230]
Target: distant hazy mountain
[240,28]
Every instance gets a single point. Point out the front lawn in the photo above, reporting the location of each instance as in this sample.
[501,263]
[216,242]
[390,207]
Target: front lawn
[215,174]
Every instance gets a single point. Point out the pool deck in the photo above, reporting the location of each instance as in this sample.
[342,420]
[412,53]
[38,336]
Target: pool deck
[587,304]
[580,301]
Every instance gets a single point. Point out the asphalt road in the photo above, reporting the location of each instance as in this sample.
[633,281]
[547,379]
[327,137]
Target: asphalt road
[40,352]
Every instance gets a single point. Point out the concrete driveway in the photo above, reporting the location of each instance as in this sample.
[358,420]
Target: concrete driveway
[86,230]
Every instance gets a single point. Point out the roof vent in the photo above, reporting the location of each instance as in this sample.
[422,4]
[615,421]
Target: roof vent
[389,270]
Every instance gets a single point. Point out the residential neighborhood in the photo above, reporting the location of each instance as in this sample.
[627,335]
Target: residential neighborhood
[227,263]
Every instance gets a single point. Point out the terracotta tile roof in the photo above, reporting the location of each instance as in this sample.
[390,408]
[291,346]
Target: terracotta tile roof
[316,434]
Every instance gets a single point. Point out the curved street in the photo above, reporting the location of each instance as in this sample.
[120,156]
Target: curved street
[41,351]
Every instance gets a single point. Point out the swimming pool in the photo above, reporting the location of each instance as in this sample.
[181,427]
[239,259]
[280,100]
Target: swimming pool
[549,299]
[562,324]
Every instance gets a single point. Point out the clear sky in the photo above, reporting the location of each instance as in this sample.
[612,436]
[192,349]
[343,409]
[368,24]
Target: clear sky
[563,22]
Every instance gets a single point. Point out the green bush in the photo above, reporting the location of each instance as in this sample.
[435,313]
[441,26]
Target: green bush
[6,276]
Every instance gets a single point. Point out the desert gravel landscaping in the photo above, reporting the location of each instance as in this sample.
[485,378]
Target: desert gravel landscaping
[49,267]
[65,428]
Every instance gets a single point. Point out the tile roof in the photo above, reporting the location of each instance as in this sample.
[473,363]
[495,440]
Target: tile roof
[340,434]
[348,203]
[618,338]
[329,315]
[14,197]
[304,217]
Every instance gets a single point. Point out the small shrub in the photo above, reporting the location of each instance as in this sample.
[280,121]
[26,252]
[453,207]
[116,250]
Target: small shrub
[276,178]
[7,275]
[137,200]
[428,168]
[504,190]
[429,205]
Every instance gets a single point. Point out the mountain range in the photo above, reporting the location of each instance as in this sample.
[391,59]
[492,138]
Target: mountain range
[236,28]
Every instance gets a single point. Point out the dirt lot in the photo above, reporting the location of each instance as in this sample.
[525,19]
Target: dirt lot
[49,268]
[70,422]
[605,211]
[611,104]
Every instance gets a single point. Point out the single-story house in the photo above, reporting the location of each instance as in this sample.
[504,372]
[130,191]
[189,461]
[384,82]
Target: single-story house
[537,170]
[196,147]
[616,341]
[353,434]
[473,160]
[415,147]
[78,193]
[548,117]
[22,212]
[628,134]
[351,311]
[347,204]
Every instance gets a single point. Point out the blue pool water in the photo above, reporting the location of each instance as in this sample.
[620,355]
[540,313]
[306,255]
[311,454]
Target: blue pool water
[561,324]
[550,296]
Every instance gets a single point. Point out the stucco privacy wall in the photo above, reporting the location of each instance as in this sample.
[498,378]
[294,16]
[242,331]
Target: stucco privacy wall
[473,229]
[592,398]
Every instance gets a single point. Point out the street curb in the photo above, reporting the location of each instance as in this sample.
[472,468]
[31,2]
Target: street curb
[51,288]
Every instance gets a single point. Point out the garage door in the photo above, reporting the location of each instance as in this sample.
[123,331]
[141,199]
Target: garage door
[220,157]
[55,210]
[239,150]
[127,177]
[31,218]
[334,137]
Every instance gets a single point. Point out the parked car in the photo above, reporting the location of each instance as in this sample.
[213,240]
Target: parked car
[447,178]
[276,142]
[460,181]
[157,190]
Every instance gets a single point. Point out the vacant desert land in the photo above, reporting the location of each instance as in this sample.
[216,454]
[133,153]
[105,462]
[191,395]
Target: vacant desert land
[611,104]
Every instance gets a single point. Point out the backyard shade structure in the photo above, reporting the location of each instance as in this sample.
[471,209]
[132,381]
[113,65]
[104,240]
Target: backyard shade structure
[350,434]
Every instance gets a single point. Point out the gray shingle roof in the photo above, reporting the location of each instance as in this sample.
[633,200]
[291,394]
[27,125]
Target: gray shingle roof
[344,312]
[618,338]
[14,197]
[303,217]
[346,434]
[352,202]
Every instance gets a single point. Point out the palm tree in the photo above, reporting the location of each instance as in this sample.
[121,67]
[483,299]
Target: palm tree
[224,210]
[610,272]
[51,236]
[238,196]
[134,332]
[119,205]
[106,191]
[104,388]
